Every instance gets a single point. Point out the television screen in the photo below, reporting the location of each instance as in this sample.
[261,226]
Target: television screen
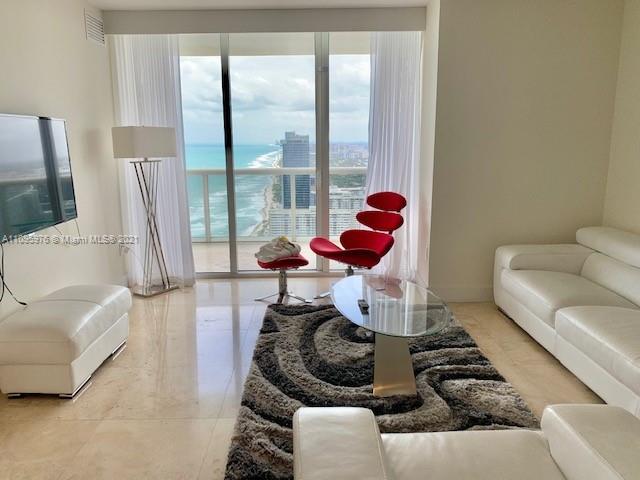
[36,185]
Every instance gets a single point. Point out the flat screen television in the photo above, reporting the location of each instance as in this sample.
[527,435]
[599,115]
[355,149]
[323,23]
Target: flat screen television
[36,186]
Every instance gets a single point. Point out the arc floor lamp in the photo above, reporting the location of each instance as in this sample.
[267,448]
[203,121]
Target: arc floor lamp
[146,147]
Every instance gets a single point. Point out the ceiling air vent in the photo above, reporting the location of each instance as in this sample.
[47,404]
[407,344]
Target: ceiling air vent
[94,26]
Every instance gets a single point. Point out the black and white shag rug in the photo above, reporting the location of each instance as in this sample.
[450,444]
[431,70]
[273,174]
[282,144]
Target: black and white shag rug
[312,356]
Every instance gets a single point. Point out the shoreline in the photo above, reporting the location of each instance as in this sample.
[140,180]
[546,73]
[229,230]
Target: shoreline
[261,228]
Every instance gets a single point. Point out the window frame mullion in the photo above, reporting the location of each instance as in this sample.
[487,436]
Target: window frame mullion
[228,149]
[322,141]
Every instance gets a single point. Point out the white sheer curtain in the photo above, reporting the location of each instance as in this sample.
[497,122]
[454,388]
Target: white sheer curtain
[146,85]
[394,139]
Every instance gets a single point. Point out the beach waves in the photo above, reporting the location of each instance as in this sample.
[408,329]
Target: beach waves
[252,191]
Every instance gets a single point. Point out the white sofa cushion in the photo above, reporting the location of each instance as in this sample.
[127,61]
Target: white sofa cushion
[567,258]
[57,330]
[595,442]
[115,299]
[521,454]
[610,336]
[543,293]
[337,443]
[618,244]
[613,275]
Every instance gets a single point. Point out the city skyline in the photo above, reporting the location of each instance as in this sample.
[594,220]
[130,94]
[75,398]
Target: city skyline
[272,99]
[276,143]
[295,153]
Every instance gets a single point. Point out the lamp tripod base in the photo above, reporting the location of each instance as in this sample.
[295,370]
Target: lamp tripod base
[153,257]
[152,291]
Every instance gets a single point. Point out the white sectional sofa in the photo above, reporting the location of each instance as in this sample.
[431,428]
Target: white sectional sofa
[577,442]
[581,302]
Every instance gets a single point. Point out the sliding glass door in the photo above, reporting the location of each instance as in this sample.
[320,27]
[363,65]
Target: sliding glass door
[200,78]
[349,85]
[253,105]
[273,109]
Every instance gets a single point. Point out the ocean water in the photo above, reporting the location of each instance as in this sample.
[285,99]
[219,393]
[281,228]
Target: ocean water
[250,189]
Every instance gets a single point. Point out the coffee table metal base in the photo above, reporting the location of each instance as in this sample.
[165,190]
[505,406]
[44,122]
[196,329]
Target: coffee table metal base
[393,368]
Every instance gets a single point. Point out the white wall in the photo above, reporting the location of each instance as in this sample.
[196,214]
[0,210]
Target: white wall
[524,112]
[48,68]
[622,204]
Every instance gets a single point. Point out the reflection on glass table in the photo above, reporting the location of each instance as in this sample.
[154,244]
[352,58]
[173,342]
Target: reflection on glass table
[397,311]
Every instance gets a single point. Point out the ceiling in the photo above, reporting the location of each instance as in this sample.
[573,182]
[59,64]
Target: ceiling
[246,4]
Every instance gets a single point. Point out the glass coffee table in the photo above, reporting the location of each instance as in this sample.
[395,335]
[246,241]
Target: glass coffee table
[398,310]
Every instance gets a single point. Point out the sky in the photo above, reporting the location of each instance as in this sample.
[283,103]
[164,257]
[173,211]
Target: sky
[271,95]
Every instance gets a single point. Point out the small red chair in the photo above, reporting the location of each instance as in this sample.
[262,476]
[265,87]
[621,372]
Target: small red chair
[365,248]
[283,265]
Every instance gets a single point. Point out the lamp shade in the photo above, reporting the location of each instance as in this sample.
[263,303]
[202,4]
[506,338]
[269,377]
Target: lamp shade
[143,142]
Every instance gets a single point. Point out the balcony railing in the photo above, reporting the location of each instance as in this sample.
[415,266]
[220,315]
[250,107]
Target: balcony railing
[346,198]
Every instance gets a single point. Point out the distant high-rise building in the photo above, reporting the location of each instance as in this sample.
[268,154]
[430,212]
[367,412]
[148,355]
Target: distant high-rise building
[295,153]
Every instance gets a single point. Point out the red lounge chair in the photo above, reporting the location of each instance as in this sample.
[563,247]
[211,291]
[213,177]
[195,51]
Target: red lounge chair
[365,248]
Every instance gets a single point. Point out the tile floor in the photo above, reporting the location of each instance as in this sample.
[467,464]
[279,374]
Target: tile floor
[165,407]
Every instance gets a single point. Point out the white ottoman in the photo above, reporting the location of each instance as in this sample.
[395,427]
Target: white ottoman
[56,343]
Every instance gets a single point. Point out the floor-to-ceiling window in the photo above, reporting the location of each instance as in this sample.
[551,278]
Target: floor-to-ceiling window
[272,79]
[274,98]
[200,78]
[349,79]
